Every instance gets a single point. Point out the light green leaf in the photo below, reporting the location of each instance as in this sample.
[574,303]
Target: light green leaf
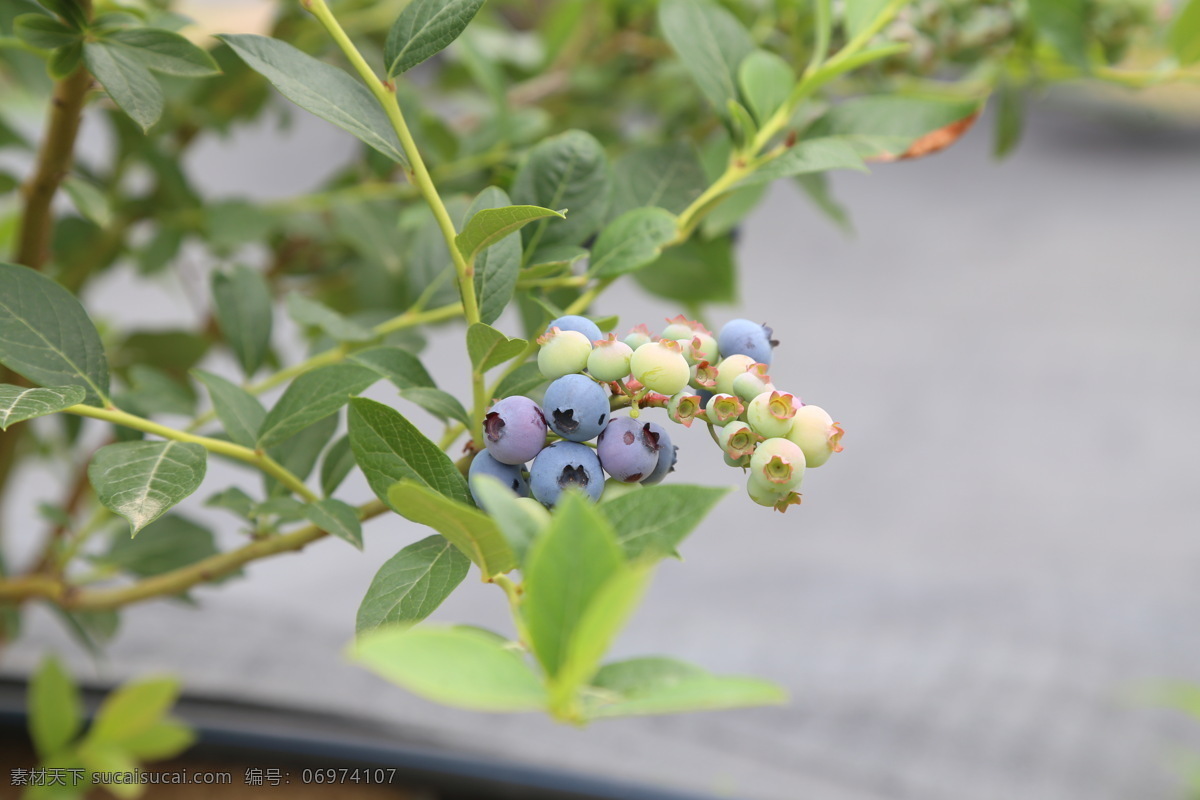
[164,51]
[497,267]
[568,171]
[389,449]
[651,522]
[461,667]
[808,156]
[141,481]
[242,305]
[886,125]
[490,225]
[442,405]
[240,412]
[765,80]
[319,88]
[519,523]
[567,567]
[46,335]
[395,364]
[55,708]
[523,380]
[108,760]
[653,685]
[1063,23]
[424,28]
[490,348]
[43,32]
[162,740]
[1184,34]
[127,81]
[311,397]
[412,584]
[710,42]
[169,543]
[470,530]
[669,176]
[632,241]
[337,519]
[308,312]
[861,13]
[338,462]
[133,709]
[18,403]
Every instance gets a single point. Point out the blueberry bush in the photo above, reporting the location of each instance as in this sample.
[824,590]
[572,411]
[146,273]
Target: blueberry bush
[518,157]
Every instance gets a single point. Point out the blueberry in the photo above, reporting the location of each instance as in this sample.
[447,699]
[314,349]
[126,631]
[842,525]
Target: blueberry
[565,465]
[638,336]
[660,367]
[777,464]
[511,475]
[667,455]
[574,322]
[771,413]
[562,353]
[514,430]
[575,407]
[628,449]
[609,361]
[816,434]
[741,336]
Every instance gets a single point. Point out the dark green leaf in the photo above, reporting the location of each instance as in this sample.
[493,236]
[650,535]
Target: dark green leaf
[70,10]
[339,460]
[395,364]
[664,686]
[319,88]
[696,271]
[496,268]
[442,405]
[412,584]
[337,519]
[653,521]
[1010,117]
[1063,23]
[230,224]
[389,448]
[308,312]
[313,396]
[299,454]
[808,156]
[568,171]
[424,28]
[733,209]
[669,176]
[164,51]
[141,481]
[18,403]
[1184,35]
[765,80]
[523,380]
[45,33]
[127,81]
[65,60]
[239,411]
[632,241]
[46,335]
[242,305]
[489,225]
[169,543]
[92,629]
[89,201]
[710,42]
[470,530]
[55,708]
[490,348]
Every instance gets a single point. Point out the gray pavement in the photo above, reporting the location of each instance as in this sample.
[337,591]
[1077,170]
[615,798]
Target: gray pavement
[976,597]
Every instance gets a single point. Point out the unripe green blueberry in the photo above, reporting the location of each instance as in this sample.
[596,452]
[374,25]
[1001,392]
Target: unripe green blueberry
[723,409]
[638,336]
[815,432]
[680,327]
[753,382]
[690,347]
[706,343]
[771,413]
[660,367]
[609,360]
[777,462]
[728,369]
[704,376]
[563,353]
[683,407]
[771,497]
[737,439]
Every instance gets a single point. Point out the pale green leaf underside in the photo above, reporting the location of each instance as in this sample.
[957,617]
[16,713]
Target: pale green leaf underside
[18,403]
[141,481]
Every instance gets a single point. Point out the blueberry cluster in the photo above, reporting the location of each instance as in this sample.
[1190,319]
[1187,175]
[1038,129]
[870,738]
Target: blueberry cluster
[720,380]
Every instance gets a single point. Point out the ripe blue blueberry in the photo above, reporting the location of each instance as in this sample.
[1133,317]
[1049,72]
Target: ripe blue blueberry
[741,336]
[628,449]
[575,407]
[514,430]
[511,475]
[574,322]
[667,455]
[565,465]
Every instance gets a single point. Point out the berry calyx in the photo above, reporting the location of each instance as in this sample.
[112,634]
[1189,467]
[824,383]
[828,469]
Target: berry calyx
[683,408]
[737,439]
[771,413]
[723,409]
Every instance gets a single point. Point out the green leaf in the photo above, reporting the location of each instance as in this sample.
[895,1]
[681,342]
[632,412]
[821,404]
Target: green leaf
[654,685]
[765,80]
[299,454]
[669,176]
[696,271]
[567,567]
[1063,23]
[632,241]
[519,523]
[489,225]
[162,740]
[308,312]
[412,584]
[1184,34]
[395,364]
[232,499]
[42,32]
[497,267]
[240,412]
[153,391]
[816,186]
[710,42]
[861,13]
[442,405]
[18,404]
[171,542]
[461,667]
[470,530]
[337,519]
[141,481]
[65,60]
[424,28]
[70,10]
[389,448]
[242,305]
[1010,117]
[490,348]
[311,397]
[55,708]
[127,81]
[651,522]
[132,710]
[523,380]
[46,335]
[319,88]
[886,125]
[569,171]
[339,460]
[165,52]
[808,156]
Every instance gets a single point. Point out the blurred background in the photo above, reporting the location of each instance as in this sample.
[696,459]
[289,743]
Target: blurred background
[981,597]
